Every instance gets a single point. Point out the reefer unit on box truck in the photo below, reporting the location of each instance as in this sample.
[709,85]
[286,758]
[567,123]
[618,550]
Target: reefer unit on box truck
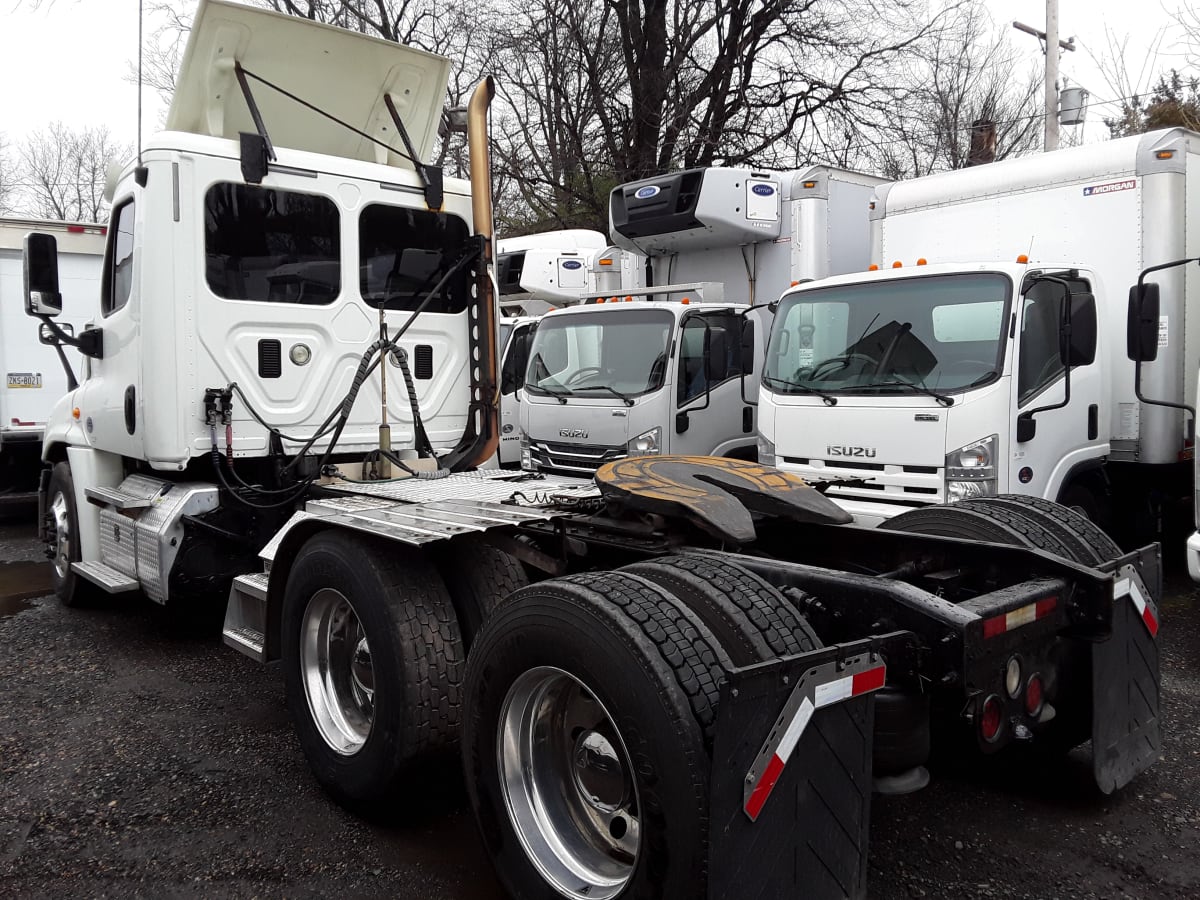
[34,379]
[673,367]
[945,381]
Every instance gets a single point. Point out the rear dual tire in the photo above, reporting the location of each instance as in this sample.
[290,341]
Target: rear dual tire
[649,646]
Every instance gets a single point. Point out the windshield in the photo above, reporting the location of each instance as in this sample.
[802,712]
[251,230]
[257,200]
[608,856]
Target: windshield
[601,353]
[940,333]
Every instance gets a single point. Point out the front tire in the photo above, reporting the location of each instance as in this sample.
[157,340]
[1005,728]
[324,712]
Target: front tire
[373,663]
[62,524]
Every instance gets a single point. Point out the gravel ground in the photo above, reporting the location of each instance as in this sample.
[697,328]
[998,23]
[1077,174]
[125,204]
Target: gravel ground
[135,762]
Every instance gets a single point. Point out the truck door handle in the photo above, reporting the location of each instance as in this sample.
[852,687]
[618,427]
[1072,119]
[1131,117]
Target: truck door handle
[130,409]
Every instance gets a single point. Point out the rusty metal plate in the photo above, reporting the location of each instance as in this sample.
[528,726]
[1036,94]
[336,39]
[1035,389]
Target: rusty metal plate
[718,495]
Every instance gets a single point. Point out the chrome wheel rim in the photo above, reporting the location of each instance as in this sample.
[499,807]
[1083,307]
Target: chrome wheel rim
[568,786]
[61,558]
[335,665]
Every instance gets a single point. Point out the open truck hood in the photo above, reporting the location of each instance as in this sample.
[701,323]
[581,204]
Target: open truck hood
[344,73]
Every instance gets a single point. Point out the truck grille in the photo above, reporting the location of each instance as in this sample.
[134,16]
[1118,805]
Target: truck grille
[573,459]
[882,483]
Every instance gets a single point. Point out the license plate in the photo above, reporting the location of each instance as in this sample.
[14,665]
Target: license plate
[24,380]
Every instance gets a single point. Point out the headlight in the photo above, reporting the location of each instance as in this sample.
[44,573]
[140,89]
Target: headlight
[646,444]
[971,470]
[526,454]
[766,451]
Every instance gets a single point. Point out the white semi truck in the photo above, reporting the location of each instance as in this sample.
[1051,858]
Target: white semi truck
[34,379]
[707,671]
[673,368]
[958,369]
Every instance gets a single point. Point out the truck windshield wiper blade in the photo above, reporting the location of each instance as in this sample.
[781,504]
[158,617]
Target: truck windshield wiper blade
[625,398]
[943,399]
[560,393]
[829,399]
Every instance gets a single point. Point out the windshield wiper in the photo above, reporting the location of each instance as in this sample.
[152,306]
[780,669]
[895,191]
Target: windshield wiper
[625,398]
[829,399]
[559,393]
[943,399]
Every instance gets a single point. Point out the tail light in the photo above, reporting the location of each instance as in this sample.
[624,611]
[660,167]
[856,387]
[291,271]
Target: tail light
[991,719]
[1035,695]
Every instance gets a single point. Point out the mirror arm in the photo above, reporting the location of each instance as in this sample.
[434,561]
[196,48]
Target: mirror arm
[1137,366]
[90,343]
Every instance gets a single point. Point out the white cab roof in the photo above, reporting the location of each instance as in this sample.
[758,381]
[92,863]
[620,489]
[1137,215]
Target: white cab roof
[341,72]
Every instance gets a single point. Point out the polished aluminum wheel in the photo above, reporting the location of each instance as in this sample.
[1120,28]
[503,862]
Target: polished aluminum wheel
[60,516]
[335,664]
[568,785]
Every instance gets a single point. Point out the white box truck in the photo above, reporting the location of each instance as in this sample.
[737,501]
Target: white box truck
[957,370]
[610,712]
[672,368]
[34,378]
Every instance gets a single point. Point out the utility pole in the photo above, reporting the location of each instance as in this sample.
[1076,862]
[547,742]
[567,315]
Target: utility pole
[1049,39]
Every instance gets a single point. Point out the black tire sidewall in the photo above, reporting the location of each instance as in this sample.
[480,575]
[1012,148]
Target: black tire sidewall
[355,780]
[673,823]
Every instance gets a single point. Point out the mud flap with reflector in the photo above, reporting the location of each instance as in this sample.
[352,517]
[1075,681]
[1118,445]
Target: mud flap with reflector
[790,799]
[1125,685]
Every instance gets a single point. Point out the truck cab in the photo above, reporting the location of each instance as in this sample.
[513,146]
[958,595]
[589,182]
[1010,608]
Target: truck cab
[898,384]
[637,377]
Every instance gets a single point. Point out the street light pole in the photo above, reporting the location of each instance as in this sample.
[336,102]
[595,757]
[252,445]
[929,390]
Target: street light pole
[1049,39]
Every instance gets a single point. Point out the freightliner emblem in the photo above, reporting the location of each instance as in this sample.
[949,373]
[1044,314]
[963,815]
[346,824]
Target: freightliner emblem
[576,433]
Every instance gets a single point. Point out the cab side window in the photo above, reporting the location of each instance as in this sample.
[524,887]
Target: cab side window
[1040,362]
[118,275]
[724,346]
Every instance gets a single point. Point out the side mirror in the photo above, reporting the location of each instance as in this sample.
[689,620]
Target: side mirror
[41,275]
[1082,348]
[716,363]
[747,360]
[1026,427]
[682,423]
[1142,324]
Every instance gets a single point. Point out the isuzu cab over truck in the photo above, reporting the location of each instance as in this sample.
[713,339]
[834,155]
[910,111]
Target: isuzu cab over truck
[662,681]
[33,378]
[972,375]
[657,377]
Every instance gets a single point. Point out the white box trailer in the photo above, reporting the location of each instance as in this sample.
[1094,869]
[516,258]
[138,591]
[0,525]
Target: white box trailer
[854,361]
[34,378]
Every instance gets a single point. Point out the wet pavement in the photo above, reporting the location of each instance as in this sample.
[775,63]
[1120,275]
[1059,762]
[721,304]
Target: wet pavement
[139,762]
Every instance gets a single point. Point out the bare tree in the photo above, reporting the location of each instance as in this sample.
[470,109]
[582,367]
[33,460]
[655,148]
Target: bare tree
[963,82]
[7,176]
[64,170]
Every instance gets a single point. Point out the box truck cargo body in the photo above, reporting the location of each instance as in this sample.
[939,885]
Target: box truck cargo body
[33,376]
[967,305]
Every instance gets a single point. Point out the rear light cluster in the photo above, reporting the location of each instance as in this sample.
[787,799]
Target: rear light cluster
[1030,691]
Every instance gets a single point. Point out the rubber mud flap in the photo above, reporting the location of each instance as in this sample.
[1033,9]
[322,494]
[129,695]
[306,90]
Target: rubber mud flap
[810,838]
[1126,738]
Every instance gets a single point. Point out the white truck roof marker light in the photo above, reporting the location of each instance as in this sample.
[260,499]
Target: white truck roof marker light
[821,686]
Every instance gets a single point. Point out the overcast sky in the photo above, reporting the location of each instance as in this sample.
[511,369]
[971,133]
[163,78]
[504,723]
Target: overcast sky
[68,60]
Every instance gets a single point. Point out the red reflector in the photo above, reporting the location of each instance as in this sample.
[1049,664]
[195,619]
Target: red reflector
[1034,695]
[764,787]
[993,626]
[990,719]
[26,424]
[870,680]
[1045,607]
[75,229]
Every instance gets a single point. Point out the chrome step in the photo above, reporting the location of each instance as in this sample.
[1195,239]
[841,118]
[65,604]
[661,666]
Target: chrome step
[246,615]
[106,577]
[116,499]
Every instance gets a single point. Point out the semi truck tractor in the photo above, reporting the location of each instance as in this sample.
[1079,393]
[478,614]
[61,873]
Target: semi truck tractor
[672,367]
[998,346]
[34,379]
[661,681]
